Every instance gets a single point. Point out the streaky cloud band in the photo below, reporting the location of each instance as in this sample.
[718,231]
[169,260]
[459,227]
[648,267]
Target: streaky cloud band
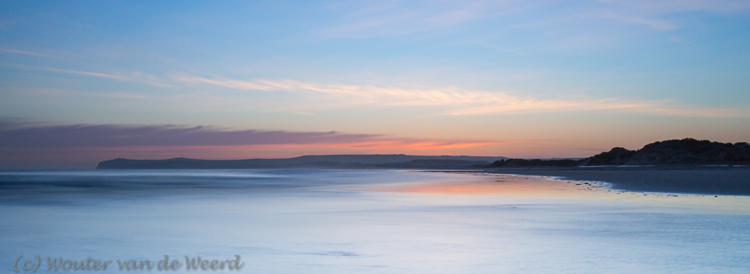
[19,135]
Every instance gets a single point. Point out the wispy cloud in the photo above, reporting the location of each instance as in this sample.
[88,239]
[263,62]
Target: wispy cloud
[88,73]
[651,13]
[462,101]
[229,83]
[129,76]
[670,6]
[62,92]
[383,18]
[388,18]
[15,51]
[15,135]
[45,53]
[657,24]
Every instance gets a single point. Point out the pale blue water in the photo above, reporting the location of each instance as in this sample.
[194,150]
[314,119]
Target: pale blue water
[328,221]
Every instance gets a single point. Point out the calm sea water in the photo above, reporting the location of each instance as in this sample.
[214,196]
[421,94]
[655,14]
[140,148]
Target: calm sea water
[338,221]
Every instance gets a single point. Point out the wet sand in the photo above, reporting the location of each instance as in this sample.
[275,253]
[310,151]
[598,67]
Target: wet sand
[493,186]
[680,180]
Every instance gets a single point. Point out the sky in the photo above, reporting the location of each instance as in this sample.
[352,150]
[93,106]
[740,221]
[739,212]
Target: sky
[86,81]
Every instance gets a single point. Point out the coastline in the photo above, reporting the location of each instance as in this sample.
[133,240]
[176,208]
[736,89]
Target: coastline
[483,187]
[672,179]
[331,221]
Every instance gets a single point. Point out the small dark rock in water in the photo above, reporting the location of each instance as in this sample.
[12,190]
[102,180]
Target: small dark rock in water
[716,196]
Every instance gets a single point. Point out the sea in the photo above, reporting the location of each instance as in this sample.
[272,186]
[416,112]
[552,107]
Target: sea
[358,221]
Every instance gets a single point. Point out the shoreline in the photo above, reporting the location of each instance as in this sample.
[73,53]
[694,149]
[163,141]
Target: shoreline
[488,186]
[734,181]
[703,181]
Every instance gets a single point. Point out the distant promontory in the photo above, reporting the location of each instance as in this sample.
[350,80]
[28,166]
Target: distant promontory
[310,161]
[670,152]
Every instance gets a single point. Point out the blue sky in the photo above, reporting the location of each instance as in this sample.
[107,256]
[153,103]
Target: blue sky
[510,78]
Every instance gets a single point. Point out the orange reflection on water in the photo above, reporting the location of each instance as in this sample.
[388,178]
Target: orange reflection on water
[548,187]
[497,185]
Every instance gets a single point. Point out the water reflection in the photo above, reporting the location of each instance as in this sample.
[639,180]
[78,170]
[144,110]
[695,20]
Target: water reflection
[362,221]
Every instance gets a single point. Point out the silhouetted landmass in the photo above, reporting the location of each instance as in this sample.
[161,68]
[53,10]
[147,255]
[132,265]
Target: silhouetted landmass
[311,161]
[672,166]
[685,151]
[670,152]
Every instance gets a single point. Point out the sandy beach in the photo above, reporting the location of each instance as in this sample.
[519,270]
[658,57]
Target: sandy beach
[686,180]
[483,185]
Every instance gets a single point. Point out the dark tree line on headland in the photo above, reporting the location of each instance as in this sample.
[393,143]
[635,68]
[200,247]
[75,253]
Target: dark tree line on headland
[685,151]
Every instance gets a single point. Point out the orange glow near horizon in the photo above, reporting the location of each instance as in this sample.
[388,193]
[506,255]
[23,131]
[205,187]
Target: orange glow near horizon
[385,144]
[369,145]
[88,157]
[492,185]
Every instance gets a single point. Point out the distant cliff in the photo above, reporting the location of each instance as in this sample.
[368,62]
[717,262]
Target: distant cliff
[310,161]
[685,151]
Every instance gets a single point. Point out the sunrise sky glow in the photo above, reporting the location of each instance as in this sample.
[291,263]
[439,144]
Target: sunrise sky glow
[85,81]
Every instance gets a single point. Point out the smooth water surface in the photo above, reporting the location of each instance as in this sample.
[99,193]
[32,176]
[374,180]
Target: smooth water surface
[360,221]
